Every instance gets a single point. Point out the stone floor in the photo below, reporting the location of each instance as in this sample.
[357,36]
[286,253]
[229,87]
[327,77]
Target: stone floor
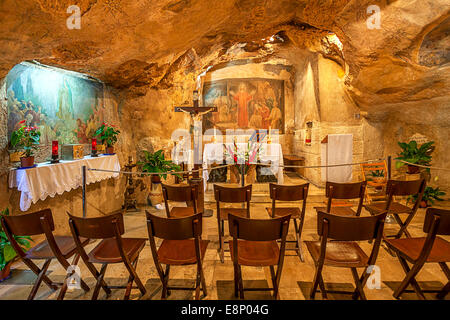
[296,278]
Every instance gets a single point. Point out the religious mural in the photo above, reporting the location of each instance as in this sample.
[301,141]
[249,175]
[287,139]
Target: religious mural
[63,106]
[244,104]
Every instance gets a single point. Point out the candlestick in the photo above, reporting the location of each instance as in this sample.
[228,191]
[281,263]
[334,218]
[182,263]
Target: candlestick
[54,152]
[94,148]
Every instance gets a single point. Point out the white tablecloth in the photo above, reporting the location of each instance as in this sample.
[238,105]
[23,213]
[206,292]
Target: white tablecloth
[214,152]
[50,179]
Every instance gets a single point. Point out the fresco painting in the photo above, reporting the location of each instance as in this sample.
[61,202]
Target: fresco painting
[244,104]
[65,107]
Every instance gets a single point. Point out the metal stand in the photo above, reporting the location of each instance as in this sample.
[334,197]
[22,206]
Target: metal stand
[242,175]
[83,173]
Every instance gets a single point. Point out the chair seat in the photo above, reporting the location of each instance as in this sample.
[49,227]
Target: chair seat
[256,253]
[107,250]
[280,212]
[410,248]
[180,252]
[340,211]
[66,245]
[339,254]
[240,212]
[180,212]
[378,207]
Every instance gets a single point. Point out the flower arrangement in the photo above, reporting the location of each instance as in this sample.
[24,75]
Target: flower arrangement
[108,135]
[247,157]
[27,139]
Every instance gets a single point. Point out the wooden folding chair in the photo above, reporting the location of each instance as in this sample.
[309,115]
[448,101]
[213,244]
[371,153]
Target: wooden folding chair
[399,188]
[255,244]
[418,251]
[230,195]
[290,193]
[378,187]
[182,245]
[346,191]
[344,252]
[60,248]
[111,249]
[180,193]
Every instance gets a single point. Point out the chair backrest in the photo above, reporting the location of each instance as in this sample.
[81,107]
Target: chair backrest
[405,188]
[233,194]
[98,227]
[180,192]
[258,229]
[444,221]
[368,168]
[29,224]
[288,192]
[345,228]
[174,228]
[354,190]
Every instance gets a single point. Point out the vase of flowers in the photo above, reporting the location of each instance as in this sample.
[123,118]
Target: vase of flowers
[108,135]
[244,160]
[26,139]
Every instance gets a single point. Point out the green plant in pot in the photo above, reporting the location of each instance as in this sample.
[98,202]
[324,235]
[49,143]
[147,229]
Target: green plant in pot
[7,252]
[156,162]
[377,176]
[26,139]
[412,153]
[108,135]
[430,195]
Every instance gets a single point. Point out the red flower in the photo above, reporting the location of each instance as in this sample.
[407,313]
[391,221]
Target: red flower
[23,121]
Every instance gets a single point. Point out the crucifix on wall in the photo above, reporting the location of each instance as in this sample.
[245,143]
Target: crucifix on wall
[196,112]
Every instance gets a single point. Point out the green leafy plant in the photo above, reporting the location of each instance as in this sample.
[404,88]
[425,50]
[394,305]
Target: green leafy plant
[7,252]
[25,138]
[155,162]
[413,154]
[429,196]
[377,173]
[107,134]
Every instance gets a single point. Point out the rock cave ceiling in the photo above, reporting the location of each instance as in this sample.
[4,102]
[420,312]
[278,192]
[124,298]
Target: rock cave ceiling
[142,44]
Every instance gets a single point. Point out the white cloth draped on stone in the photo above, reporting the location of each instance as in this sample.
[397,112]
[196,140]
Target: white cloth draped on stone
[214,153]
[50,179]
[338,150]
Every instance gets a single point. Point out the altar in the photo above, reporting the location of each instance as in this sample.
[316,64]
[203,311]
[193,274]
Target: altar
[269,153]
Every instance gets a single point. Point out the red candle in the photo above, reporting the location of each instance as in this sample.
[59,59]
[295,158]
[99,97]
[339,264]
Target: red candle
[94,144]
[55,148]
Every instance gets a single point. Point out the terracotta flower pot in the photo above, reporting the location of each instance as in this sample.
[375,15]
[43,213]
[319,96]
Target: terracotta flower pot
[155,179]
[109,150]
[413,169]
[423,204]
[5,273]
[27,161]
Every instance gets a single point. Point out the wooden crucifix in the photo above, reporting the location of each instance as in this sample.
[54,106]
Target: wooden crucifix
[196,112]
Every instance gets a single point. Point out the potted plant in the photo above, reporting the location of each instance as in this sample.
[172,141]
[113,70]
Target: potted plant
[27,139]
[7,252]
[377,176]
[155,162]
[108,135]
[413,154]
[429,196]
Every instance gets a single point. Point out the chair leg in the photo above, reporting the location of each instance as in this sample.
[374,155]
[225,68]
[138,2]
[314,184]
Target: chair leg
[202,279]
[136,279]
[197,284]
[98,285]
[359,286]
[236,281]
[446,289]
[410,274]
[165,290]
[241,285]
[96,274]
[403,226]
[40,278]
[221,244]
[317,279]
[322,288]
[83,284]
[33,267]
[274,283]
[131,278]
[299,244]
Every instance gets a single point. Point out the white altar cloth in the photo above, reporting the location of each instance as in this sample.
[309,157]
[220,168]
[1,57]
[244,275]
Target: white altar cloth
[214,152]
[50,179]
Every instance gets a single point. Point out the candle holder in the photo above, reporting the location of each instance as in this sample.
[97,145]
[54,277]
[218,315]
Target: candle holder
[94,148]
[54,152]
